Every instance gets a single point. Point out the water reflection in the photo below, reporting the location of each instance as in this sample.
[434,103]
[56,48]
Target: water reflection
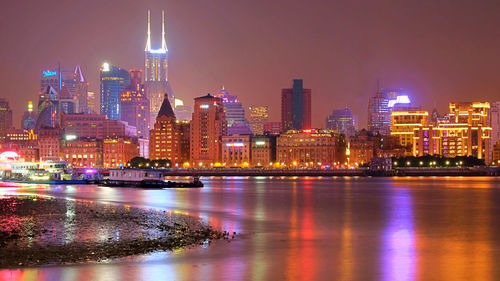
[307,229]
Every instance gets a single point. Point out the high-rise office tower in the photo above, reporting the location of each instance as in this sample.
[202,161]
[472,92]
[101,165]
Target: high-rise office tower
[208,125]
[28,120]
[156,71]
[67,103]
[165,137]
[5,118]
[135,105]
[381,106]
[77,86]
[342,121]
[48,109]
[296,107]
[50,77]
[113,81]
[93,102]
[495,126]
[258,116]
[235,114]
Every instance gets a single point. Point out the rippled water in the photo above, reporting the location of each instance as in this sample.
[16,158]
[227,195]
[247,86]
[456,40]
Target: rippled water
[443,228]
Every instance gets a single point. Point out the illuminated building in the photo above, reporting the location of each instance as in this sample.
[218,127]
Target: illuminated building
[144,147]
[208,125]
[496,154]
[28,120]
[380,107]
[5,118]
[118,151]
[135,106]
[49,143]
[50,78]
[83,125]
[182,112]
[48,109]
[67,103]
[77,87]
[24,142]
[83,153]
[113,81]
[165,137]
[258,116]
[296,107]
[362,147]
[156,71]
[184,128]
[342,121]
[466,133]
[405,122]
[235,114]
[308,148]
[494,124]
[272,128]
[263,151]
[236,150]
[92,103]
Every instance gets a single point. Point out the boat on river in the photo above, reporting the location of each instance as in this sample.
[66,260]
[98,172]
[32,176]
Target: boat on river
[146,178]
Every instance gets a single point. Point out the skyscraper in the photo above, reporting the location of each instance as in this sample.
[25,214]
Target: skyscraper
[113,81]
[135,105]
[380,108]
[93,103]
[235,114]
[495,126]
[182,112]
[342,121]
[48,109]
[165,137]
[296,107]
[208,125]
[28,120]
[258,117]
[156,71]
[77,87]
[50,77]
[5,118]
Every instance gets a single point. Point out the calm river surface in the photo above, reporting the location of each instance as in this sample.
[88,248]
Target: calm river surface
[442,228]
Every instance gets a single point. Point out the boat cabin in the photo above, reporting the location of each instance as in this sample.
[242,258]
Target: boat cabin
[134,174]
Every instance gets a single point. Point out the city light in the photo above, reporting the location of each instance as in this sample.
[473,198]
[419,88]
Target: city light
[47,73]
[105,66]
[236,144]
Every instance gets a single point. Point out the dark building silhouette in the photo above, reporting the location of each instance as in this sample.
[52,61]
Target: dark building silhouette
[296,107]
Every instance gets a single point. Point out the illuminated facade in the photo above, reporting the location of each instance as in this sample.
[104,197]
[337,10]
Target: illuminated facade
[362,147]
[272,128]
[258,116]
[466,133]
[135,106]
[235,114]
[93,105]
[77,87]
[405,122]
[182,112]
[50,78]
[156,71]
[496,154]
[113,81]
[83,153]
[263,151]
[48,109]
[5,118]
[28,120]
[236,150]
[49,143]
[83,125]
[342,121]
[296,107]
[308,148]
[118,151]
[380,107]
[208,125]
[165,137]
[494,124]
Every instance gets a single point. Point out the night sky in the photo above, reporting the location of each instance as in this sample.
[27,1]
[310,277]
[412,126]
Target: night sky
[439,50]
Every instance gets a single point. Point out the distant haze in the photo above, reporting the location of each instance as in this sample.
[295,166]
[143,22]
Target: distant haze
[440,51]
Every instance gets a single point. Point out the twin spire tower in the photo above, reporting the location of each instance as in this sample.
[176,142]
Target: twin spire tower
[156,70]
[163,48]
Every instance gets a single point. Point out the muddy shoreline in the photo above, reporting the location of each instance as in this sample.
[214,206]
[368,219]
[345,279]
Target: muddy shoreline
[40,231]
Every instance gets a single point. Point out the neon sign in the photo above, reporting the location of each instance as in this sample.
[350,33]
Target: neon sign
[399,99]
[47,73]
[260,143]
[238,144]
[204,106]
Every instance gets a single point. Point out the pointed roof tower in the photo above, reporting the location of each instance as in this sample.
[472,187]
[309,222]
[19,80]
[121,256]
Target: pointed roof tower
[78,71]
[166,108]
[148,40]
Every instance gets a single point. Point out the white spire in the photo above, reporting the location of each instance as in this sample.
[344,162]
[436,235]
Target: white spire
[163,40]
[148,42]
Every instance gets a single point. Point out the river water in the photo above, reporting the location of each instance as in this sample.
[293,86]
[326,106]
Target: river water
[421,228]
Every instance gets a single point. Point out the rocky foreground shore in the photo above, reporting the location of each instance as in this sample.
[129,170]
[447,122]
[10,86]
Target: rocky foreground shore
[38,230]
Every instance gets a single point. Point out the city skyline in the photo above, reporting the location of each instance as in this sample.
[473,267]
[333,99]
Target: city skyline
[360,54]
